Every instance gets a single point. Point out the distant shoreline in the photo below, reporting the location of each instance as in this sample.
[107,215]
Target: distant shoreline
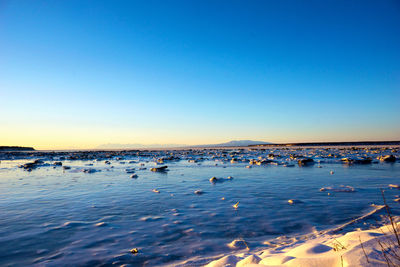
[358,143]
[16,148]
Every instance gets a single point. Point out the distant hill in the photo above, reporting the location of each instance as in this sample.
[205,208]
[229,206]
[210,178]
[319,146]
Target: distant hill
[16,148]
[237,143]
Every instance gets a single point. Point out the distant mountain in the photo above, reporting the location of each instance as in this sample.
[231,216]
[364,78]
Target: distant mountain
[236,143]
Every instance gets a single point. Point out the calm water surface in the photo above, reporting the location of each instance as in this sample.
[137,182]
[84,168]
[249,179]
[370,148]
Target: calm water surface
[51,217]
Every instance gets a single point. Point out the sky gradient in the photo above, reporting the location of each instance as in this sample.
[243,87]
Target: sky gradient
[78,74]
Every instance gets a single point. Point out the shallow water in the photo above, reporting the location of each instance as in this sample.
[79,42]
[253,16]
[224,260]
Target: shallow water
[51,217]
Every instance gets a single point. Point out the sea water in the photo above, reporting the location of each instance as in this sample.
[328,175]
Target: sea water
[53,217]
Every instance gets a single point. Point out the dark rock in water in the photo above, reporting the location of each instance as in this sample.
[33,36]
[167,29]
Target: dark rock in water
[288,165]
[388,158]
[130,170]
[89,170]
[32,165]
[294,201]
[260,162]
[198,192]
[28,165]
[159,169]
[305,162]
[134,251]
[346,160]
[342,188]
[394,186]
[213,180]
[364,161]
[357,160]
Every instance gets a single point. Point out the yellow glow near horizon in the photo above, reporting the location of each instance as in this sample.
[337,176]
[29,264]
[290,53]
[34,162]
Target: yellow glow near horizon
[43,138]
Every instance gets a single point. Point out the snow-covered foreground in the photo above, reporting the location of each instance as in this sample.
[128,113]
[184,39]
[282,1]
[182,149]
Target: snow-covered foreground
[356,248]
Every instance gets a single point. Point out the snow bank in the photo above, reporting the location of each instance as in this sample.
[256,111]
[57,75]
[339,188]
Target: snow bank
[357,248]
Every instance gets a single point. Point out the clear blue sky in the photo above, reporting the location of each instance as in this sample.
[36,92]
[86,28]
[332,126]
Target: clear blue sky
[85,73]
